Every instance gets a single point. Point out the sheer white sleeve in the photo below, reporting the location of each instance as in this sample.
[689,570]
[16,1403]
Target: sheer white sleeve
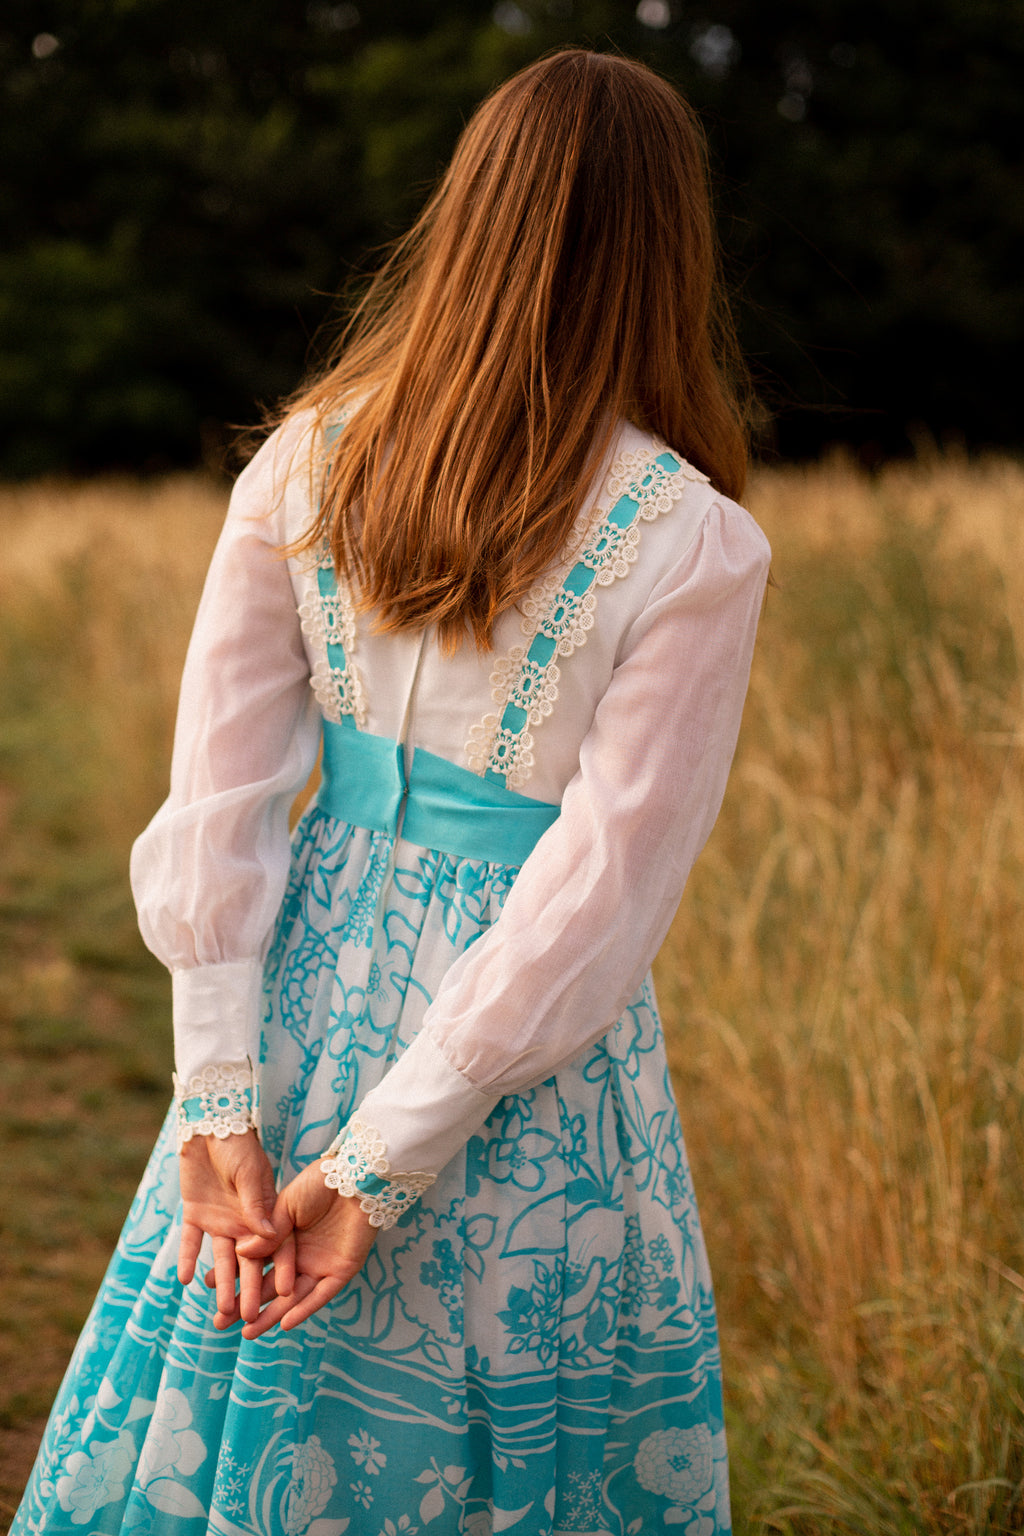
[594,900]
[209,872]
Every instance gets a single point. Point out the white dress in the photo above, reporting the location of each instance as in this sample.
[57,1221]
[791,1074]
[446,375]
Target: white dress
[458,975]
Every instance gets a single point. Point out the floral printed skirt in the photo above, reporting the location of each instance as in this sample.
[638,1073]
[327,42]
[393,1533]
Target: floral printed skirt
[531,1349]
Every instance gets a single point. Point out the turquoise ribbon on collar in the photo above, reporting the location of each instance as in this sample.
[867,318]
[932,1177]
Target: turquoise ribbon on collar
[446,807]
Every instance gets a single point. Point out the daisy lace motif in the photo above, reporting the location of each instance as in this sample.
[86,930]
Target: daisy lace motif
[219,1101]
[558,614]
[357,1164]
[328,619]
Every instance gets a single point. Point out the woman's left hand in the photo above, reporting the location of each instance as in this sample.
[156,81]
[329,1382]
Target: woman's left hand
[329,1239]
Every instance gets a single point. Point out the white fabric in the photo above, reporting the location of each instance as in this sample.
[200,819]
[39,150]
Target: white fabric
[429,1108]
[222,1006]
[637,749]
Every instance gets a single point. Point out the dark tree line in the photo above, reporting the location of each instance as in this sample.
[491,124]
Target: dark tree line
[184,184]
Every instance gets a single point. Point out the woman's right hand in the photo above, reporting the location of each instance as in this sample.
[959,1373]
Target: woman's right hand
[327,1242]
[227,1190]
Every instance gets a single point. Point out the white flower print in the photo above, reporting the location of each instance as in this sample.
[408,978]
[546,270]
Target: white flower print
[90,1481]
[366,1452]
[363,1492]
[581,1502]
[170,1445]
[233,1479]
[402,1527]
[676,1463]
[484,1522]
[313,1480]
[63,1420]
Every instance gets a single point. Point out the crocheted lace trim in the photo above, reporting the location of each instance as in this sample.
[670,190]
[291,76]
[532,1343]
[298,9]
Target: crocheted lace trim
[329,619]
[356,1164]
[556,612]
[219,1101]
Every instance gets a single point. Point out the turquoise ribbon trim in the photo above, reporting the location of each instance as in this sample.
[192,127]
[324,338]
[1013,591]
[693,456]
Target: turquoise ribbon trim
[363,777]
[225,1105]
[372,1184]
[327,586]
[446,807]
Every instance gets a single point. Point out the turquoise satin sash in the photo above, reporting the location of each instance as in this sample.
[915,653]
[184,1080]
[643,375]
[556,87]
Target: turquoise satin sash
[446,807]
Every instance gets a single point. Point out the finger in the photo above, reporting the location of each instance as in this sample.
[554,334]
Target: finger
[254,1211]
[284,1267]
[324,1290]
[250,1288]
[276,1309]
[188,1251]
[225,1271]
[252,1247]
[222,1320]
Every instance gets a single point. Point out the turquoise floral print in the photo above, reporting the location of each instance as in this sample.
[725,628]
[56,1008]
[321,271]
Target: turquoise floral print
[531,1349]
[531,1316]
[521,1159]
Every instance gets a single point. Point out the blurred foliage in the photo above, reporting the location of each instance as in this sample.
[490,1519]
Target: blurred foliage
[184,187]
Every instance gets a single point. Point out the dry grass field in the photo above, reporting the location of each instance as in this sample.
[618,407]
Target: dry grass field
[843,989]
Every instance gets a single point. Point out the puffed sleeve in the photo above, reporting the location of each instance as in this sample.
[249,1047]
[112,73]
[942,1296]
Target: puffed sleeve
[209,872]
[594,900]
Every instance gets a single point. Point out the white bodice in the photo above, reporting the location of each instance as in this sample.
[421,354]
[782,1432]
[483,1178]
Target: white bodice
[629,723]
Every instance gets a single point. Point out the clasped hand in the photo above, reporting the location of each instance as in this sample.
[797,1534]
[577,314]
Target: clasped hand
[316,1239]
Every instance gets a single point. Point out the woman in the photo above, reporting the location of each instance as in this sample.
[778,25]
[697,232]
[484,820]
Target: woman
[526,604]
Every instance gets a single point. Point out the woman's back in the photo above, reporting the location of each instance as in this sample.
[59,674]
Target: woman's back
[403,685]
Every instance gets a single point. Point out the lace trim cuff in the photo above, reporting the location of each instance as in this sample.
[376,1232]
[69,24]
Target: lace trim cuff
[218,1101]
[356,1163]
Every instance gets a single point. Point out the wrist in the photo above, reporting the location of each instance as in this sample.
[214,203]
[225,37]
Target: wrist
[356,1165]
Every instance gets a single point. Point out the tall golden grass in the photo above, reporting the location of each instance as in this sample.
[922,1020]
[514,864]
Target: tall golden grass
[843,989]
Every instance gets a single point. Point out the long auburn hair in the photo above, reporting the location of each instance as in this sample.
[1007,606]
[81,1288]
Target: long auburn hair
[562,277]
